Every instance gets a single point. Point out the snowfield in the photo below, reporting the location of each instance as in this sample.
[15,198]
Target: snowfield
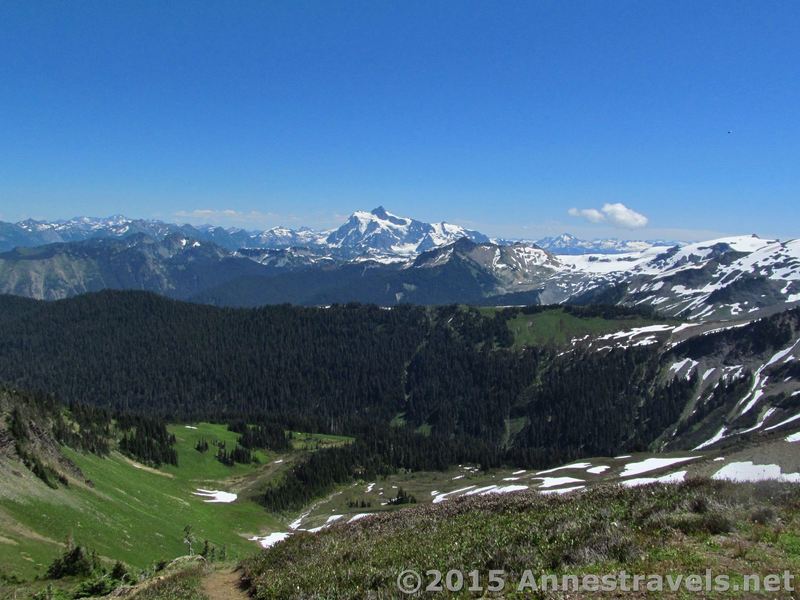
[548,482]
[216,496]
[749,472]
[652,464]
[676,477]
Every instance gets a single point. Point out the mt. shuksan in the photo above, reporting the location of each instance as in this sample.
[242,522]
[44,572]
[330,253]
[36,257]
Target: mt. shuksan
[381,232]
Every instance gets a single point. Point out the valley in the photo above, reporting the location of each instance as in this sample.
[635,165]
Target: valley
[137,514]
[385,300]
[720,404]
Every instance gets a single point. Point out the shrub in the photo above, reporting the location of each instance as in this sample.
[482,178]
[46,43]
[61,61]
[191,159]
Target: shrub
[97,586]
[762,516]
[50,593]
[76,561]
[714,523]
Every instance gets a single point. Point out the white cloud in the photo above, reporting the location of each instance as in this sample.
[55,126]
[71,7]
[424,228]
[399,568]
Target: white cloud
[622,216]
[590,214]
[616,214]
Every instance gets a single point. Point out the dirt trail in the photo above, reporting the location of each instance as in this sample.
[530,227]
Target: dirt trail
[223,584]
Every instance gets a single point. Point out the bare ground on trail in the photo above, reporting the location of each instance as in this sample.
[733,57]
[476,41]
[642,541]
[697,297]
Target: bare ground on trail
[224,584]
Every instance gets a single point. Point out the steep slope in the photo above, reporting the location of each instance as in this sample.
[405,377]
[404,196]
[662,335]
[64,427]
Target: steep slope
[743,375]
[461,272]
[658,530]
[105,500]
[620,384]
[173,265]
[710,280]
[719,279]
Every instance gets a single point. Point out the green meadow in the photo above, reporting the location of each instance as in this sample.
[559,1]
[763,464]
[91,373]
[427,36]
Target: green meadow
[132,512]
[557,327]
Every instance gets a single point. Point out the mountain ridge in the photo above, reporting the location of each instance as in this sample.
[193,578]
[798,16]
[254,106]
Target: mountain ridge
[717,279]
[376,233]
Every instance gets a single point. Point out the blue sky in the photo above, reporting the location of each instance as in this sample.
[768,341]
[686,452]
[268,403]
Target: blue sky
[500,116]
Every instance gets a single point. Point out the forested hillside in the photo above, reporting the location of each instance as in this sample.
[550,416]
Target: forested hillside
[449,372]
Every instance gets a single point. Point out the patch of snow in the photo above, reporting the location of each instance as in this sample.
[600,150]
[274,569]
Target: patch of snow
[505,489]
[297,522]
[359,516]
[190,427]
[757,391]
[676,477]
[443,497]
[548,482]
[795,437]
[679,366]
[215,496]
[598,470]
[712,440]
[652,464]
[271,539]
[480,490]
[582,465]
[784,422]
[747,471]
[635,331]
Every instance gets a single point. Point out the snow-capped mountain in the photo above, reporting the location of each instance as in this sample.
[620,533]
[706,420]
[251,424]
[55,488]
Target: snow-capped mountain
[376,234]
[569,244]
[380,257]
[720,278]
[283,237]
[286,258]
[379,232]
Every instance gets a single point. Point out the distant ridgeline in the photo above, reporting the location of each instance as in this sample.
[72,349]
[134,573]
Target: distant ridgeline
[421,387]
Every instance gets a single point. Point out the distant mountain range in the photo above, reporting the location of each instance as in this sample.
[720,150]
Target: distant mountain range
[380,258]
[569,244]
[377,234]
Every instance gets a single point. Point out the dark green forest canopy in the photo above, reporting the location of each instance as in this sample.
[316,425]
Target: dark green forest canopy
[450,371]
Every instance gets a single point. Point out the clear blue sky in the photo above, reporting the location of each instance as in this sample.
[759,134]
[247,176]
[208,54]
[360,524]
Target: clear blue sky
[497,115]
